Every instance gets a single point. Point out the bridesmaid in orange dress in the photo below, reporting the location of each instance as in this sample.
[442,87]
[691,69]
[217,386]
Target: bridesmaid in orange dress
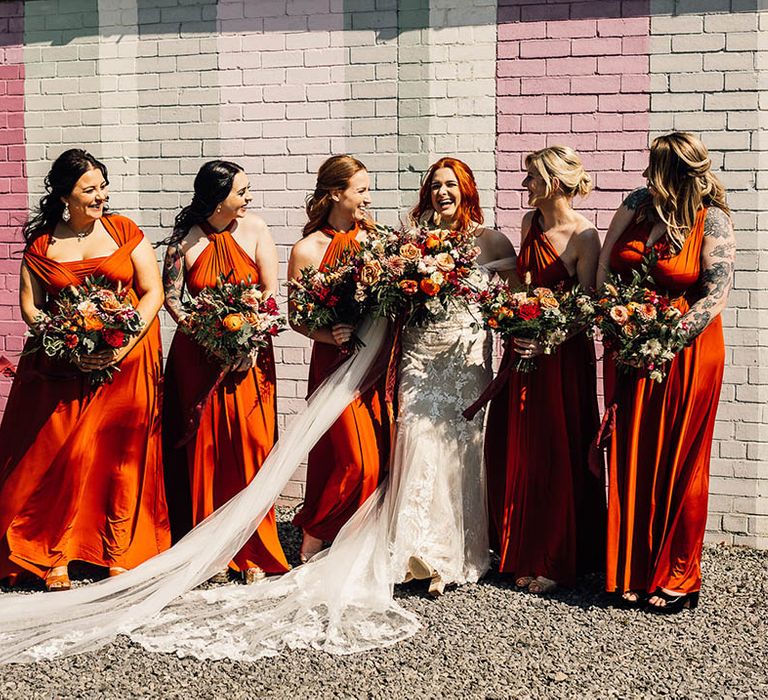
[345,466]
[210,460]
[658,457]
[80,470]
[547,510]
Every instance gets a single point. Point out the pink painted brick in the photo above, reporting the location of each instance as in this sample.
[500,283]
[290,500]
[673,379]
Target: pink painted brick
[622,141]
[581,142]
[513,31]
[639,82]
[518,142]
[545,48]
[571,66]
[522,105]
[635,160]
[546,123]
[522,67]
[509,123]
[508,49]
[639,121]
[544,86]
[595,47]
[572,29]
[616,181]
[510,180]
[571,104]
[629,26]
[635,45]
[595,84]
[508,200]
[607,65]
[603,161]
[597,122]
[624,103]
[508,86]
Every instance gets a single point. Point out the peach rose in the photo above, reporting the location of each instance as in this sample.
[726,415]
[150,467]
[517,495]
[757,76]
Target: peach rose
[410,252]
[620,314]
[370,273]
[548,303]
[445,262]
[409,286]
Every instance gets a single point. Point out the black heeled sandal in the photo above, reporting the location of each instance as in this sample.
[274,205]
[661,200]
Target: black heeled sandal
[638,602]
[674,603]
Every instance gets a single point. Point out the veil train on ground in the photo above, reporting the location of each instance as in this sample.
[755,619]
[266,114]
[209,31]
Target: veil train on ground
[340,602]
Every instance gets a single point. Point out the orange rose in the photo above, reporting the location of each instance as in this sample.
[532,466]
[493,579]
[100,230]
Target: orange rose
[548,303]
[233,322]
[429,287]
[409,286]
[433,241]
[92,323]
[505,312]
[493,323]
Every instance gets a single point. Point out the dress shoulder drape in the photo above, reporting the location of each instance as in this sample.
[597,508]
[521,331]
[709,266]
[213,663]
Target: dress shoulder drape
[80,469]
[238,423]
[346,464]
[547,510]
[658,457]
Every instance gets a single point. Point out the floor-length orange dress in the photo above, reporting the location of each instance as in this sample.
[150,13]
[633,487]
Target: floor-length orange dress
[345,465]
[546,508]
[237,425]
[80,467]
[658,458]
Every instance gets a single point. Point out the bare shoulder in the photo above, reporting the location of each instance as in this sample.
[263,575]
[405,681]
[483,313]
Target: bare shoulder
[253,222]
[497,242]
[307,250]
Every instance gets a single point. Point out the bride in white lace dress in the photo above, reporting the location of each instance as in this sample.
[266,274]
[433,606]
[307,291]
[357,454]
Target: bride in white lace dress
[427,520]
[437,477]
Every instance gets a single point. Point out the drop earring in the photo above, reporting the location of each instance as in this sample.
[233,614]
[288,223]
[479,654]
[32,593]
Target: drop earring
[65,215]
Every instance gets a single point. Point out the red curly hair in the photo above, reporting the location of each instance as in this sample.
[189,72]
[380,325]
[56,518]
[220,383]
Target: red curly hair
[469,208]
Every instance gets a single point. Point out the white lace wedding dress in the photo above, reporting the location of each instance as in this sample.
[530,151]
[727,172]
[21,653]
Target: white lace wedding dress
[432,505]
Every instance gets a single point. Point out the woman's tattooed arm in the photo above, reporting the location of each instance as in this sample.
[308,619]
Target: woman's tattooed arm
[173,281]
[718,254]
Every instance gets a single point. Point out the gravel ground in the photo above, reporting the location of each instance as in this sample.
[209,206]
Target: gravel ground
[481,641]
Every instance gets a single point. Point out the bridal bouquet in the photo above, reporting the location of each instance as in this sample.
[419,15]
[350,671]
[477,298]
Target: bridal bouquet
[88,318]
[542,314]
[638,324]
[232,319]
[321,299]
[414,274]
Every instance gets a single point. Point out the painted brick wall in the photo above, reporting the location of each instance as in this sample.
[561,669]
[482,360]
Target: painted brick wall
[707,77]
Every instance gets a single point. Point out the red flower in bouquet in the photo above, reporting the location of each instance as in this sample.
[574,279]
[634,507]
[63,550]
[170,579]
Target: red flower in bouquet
[114,337]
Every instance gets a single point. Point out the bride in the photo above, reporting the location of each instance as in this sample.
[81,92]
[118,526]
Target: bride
[428,520]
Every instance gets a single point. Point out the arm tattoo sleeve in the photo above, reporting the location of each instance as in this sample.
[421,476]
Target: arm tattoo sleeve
[173,282]
[716,275]
[636,197]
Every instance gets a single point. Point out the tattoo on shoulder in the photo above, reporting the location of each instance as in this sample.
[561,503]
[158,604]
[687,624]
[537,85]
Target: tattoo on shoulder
[717,224]
[636,198]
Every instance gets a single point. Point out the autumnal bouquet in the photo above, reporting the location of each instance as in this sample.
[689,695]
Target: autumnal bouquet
[232,319]
[539,313]
[638,324]
[323,298]
[88,318]
[414,274]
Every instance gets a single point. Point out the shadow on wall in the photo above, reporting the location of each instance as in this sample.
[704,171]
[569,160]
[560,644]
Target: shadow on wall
[59,22]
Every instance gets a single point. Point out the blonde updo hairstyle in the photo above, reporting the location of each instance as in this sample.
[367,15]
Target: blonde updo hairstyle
[681,183]
[564,164]
[334,175]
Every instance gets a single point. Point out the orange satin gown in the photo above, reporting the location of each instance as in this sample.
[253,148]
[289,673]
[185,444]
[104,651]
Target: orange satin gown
[238,424]
[547,510]
[345,465]
[658,458]
[80,467]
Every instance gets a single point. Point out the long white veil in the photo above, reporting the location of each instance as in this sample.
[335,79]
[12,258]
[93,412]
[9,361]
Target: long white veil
[341,601]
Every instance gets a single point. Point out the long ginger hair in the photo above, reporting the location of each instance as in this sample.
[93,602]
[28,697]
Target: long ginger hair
[681,181]
[334,174]
[469,208]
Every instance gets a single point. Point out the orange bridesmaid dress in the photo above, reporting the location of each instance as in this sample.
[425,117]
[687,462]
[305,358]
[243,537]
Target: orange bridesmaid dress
[80,467]
[658,458]
[345,465]
[546,508]
[238,423]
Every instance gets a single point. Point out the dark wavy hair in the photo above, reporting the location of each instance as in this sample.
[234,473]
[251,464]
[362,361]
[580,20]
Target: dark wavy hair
[213,183]
[61,179]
